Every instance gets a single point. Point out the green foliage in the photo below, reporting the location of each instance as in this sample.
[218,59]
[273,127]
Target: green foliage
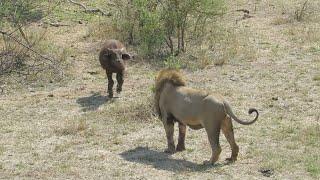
[173,62]
[151,31]
[312,165]
[19,12]
[24,45]
[163,27]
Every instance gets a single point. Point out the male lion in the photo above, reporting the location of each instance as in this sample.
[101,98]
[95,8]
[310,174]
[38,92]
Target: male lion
[198,109]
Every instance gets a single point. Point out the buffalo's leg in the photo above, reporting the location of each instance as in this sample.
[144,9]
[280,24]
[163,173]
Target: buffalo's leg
[227,130]
[120,82]
[110,84]
[181,138]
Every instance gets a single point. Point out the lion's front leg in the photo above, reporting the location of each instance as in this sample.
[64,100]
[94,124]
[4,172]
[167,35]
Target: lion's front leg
[168,126]
[181,138]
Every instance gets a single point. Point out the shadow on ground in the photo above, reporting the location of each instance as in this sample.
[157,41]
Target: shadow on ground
[163,161]
[93,102]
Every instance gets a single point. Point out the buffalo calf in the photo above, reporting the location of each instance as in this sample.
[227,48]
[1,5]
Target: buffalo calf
[112,58]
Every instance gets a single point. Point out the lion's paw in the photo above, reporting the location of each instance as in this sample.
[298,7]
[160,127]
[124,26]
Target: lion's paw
[169,151]
[230,160]
[180,148]
[208,163]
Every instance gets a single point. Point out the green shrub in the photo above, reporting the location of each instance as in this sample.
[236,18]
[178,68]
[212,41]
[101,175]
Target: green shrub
[173,62]
[23,45]
[162,27]
[19,12]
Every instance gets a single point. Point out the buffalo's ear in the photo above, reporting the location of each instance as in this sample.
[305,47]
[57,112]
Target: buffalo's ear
[126,56]
[109,51]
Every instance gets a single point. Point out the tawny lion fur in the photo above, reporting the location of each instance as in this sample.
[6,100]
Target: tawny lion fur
[197,109]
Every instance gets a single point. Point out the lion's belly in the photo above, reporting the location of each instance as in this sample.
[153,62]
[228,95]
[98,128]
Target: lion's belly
[188,116]
[193,123]
[195,127]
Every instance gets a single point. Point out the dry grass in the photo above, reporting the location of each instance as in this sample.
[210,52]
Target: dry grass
[316,78]
[71,127]
[72,130]
[280,20]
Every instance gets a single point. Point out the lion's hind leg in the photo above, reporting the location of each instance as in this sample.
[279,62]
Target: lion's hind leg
[181,138]
[227,130]
[213,133]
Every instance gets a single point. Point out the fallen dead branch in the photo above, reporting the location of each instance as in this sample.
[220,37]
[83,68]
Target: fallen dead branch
[245,14]
[56,24]
[90,10]
[244,11]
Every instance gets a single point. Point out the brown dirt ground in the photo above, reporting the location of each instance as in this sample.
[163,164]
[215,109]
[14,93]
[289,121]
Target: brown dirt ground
[79,133]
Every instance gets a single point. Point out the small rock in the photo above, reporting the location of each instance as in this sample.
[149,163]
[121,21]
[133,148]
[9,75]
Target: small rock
[50,95]
[232,78]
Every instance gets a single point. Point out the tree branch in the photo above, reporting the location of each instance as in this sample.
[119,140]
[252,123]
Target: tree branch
[56,24]
[88,10]
[27,46]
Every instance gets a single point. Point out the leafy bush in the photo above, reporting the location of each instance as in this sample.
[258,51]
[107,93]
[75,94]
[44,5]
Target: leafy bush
[21,53]
[162,27]
[173,62]
[19,11]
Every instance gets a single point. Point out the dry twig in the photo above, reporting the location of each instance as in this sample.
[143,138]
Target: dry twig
[56,24]
[52,61]
[245,15]
[90,10]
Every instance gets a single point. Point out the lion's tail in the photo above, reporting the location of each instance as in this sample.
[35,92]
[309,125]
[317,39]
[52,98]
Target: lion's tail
[230,113]
[171,76]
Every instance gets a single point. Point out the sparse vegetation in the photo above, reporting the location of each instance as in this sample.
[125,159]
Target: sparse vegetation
[316,78]
[69,129]
[300,11]
[161,28]
[23,45]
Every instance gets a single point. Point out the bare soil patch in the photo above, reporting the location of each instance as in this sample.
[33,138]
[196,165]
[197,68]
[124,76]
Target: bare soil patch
[72,130]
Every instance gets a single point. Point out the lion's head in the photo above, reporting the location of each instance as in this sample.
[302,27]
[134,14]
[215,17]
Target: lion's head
[172,76]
